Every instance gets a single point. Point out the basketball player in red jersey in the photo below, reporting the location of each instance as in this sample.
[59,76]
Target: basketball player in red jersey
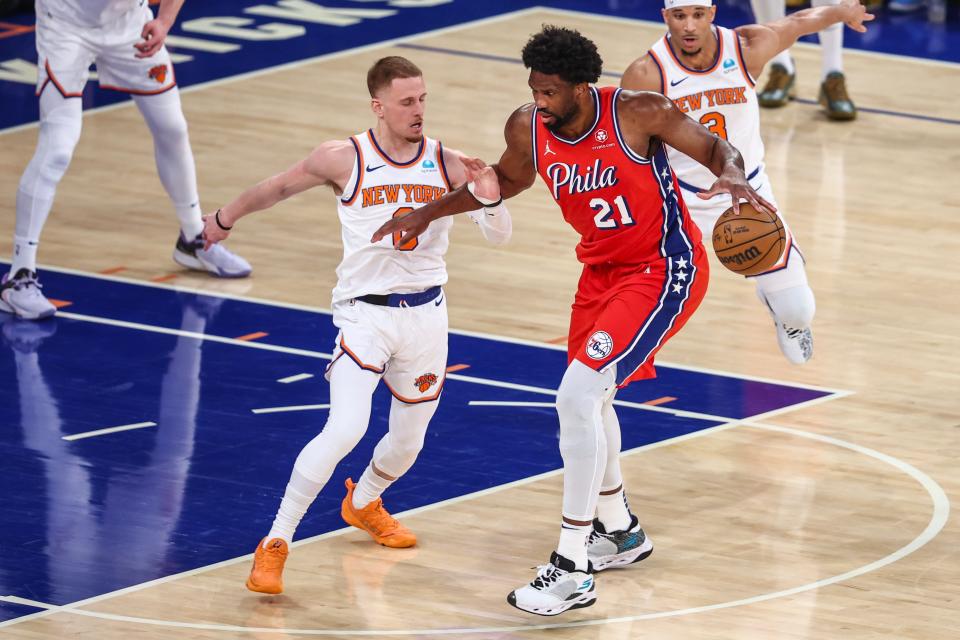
[601,153]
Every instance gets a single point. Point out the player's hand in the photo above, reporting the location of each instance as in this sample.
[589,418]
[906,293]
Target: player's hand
[735,183]
[409,226]
[473,167]
[486,184]
[154,34]
[212,232]
[857,15]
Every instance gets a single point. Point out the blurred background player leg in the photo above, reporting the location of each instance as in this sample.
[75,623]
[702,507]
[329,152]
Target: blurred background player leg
[782,75]
[781,81]
[175,165]
[833,84]
[60,124]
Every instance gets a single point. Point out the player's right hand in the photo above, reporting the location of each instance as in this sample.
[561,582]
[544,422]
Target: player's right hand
[212,233]
[857,15]
[410,226]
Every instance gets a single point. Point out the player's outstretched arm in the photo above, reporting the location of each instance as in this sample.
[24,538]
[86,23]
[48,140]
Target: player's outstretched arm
[761,42]
[329,164]
[514,171]
[660,118]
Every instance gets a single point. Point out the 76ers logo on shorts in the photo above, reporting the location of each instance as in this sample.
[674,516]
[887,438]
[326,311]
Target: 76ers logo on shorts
[599,345]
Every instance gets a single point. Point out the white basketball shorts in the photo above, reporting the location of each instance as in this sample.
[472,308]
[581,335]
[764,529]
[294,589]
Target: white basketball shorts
[66,51]
[406,345]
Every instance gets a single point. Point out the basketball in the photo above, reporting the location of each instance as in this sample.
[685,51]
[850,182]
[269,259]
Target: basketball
[749,243]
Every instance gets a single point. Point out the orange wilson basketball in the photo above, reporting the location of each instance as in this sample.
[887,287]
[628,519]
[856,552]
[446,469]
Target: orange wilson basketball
[749,243]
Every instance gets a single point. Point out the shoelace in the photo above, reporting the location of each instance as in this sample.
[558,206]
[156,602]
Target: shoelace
[25,281]
[793,334]
[594,536]
[779,78]
[547,574]
[836,89]
[381,520]
[273,559]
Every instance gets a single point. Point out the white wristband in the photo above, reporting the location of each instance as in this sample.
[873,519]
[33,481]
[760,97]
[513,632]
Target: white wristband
[487,202]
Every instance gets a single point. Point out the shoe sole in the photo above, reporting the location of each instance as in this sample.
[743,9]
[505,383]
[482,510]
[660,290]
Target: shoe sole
[386,542]
[8,308]
[623,559]
[194,263]
[252,586]
[587,599]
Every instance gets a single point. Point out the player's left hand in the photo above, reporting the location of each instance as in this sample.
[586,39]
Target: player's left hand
[486,184]
[154,34]
[735,183]
[857,15]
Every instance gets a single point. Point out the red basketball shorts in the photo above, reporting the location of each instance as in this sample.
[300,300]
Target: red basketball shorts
[623,314]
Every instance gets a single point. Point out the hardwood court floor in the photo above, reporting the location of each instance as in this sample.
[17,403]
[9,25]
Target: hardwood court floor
[738,515]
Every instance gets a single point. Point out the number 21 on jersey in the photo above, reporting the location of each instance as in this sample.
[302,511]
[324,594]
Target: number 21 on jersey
[606,218]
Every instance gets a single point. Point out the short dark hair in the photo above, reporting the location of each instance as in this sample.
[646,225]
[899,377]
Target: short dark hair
[385,70]
[565,53]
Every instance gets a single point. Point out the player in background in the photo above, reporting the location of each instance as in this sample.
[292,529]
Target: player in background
[601,153]
[388,302]
[126,42]
[783,73]
[708,72]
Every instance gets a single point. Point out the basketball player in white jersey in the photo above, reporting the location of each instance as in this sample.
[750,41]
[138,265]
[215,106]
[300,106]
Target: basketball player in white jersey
[782,79]
[388,302]
[126,42]
[708,72]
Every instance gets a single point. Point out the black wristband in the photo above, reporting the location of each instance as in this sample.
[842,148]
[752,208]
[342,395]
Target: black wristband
[216,218]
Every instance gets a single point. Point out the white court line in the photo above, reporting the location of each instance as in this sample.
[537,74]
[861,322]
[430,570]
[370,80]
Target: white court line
[251,344]
[938,518]
[293,407]
[101,432]
[460,332]
[295,378]
[497,403]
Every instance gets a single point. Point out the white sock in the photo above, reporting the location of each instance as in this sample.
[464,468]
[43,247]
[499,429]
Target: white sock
[300,494]
[370,487]
[24,253]
[573,543]
[612,511]
[831,43]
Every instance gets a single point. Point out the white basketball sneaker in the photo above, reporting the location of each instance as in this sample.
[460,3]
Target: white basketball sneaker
[558,587]
[796,343]
[217,260]
[20,295]
[617,548]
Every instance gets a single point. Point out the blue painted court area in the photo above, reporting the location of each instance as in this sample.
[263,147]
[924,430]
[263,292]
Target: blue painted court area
[89,516]
[217,39]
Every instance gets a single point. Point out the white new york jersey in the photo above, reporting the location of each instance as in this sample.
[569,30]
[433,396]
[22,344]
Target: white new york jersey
[379,189]
[722,98]
[89,13]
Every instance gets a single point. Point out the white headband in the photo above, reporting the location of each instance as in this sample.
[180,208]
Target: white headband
[673,4]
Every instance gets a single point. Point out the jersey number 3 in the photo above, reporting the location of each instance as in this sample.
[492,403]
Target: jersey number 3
[605,218]
[715,123]
[410,245]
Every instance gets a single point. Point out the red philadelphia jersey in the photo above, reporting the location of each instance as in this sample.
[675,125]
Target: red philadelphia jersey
[626,208]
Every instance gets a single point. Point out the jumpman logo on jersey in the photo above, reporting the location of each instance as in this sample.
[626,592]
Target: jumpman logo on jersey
[547,150]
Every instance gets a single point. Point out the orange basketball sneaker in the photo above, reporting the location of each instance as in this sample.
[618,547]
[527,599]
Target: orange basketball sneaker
[267,573]
[375,520]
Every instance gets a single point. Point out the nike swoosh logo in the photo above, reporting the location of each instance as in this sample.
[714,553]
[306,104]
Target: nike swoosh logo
[437,303]
[672,84]
[369,168]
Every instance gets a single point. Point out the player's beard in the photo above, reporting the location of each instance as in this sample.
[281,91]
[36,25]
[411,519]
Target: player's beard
[559,121]
[690,54]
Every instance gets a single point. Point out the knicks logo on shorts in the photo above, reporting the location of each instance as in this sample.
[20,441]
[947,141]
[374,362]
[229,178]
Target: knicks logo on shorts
[425,381]
[159,73]
[599,345]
